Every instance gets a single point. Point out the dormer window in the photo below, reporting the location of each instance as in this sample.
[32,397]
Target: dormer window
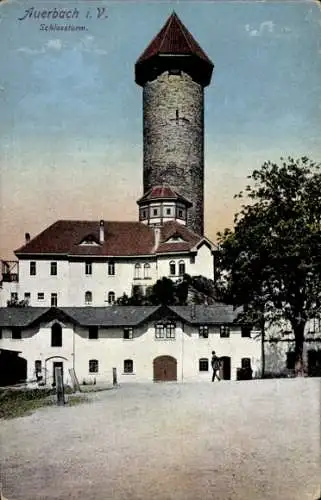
[89,240]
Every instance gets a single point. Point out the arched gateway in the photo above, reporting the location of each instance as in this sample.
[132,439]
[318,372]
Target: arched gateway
[165,369]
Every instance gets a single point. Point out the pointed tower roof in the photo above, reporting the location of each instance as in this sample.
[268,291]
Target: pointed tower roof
[174,39]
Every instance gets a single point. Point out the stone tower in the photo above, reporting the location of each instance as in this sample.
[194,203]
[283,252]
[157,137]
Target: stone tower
[173,71]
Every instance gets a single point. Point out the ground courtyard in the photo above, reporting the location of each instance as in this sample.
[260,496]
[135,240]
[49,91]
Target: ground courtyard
[245,440]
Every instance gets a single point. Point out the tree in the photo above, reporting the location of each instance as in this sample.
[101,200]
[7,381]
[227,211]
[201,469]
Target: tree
[271,260]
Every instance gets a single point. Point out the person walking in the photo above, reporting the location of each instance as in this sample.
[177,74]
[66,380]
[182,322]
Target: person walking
[215,366]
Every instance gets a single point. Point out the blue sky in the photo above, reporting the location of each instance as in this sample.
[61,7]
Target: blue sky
[71,113]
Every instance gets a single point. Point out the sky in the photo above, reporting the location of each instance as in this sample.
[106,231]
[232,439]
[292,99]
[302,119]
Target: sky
[71,138]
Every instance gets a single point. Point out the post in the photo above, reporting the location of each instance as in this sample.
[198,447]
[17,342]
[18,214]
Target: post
[114,376]
[59,387]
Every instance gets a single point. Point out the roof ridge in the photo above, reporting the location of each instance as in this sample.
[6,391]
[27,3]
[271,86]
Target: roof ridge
[170,20]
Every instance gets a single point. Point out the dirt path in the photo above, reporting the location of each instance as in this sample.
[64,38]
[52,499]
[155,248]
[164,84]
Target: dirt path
[255,440]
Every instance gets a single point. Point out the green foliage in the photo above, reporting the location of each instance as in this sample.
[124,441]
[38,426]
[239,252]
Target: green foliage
[271,260]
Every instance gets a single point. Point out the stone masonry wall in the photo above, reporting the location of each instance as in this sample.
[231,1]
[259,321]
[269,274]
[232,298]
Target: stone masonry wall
[173,107]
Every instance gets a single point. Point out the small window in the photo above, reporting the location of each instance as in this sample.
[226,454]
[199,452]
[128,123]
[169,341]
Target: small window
[181,268]
[93,332]
[146,270]
[224,331]
[128,366]
[56,335]
[88,268]
[93,366]
[53,268]
[172,268]
[27,296]
[128,334]
[111,268]
[168,211]
[155,212]
[54,300]
[246,331]
[16,333]
[203,331]
[88,298]
[290,360]
[111,298]
[137,271]
[170,331]
[33,268]
[203,365]
[159,331]
[192,259]
[41,296]
[180,213]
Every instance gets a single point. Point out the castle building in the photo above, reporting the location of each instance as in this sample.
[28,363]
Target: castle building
[75,263]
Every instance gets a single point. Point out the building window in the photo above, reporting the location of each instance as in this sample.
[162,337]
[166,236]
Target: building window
[290,360]
[54,300]
[41,296]
[38,369]
[14,297]
[88,298]
[93,332]
[128,366]
[16,332]
[88,268]
[203,331]
[111,268]
[111,297]
[128,334]
[168,211]
[33,268]
[93,366]
[146,270]
[27,296]
[246,331]
[137,271]
[180,213]
[56,335]
[53,268]
[203,365]
[192,259]
[172,268]
[155,212]
[165,331]
[224,331]
[181,268]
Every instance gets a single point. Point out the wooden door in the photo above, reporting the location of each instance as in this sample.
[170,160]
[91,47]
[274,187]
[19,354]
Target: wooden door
[57,364]
[165,369]
[225,370]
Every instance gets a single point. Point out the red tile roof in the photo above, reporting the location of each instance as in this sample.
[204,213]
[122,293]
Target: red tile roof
[174,38]
[164,192]
[121,239]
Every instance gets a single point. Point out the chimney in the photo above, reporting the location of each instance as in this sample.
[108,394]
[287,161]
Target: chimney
[157,235]
[101,231]
[27,237]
